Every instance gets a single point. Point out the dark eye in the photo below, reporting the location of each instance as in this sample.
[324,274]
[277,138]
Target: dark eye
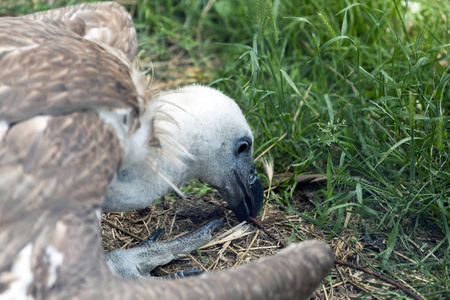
[242,146]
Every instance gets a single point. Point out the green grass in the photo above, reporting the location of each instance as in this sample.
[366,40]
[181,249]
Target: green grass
[360,92]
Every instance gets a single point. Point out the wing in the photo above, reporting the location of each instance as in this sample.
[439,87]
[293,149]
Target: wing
[105,22]
[56,155]
[54,172]
[49,70]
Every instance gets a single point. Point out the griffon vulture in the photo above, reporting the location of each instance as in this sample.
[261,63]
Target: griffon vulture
[80,132]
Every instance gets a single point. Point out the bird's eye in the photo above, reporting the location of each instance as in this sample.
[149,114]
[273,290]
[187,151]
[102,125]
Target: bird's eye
[242,146]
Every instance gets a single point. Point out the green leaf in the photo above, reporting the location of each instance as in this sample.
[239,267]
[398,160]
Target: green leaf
[395,146]
[344,24]
[294,87]
[359,196]
[329,108]
[299,19]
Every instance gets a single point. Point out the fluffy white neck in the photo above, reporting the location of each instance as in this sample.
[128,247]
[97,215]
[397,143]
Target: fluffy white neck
[141,181]
[196,128]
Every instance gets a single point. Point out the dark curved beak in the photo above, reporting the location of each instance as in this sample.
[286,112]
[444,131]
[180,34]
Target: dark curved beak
[252,195]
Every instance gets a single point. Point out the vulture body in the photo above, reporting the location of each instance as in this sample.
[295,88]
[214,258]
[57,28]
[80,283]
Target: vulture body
[80,132]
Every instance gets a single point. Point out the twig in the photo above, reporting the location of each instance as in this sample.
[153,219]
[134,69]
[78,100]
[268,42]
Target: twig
[273,236]
[274,218]
[343,263]
[197,262]
[271,146]
[122,229]
[379,276]
[318,295]
[246,251]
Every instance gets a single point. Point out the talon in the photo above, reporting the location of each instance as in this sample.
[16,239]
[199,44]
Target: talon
[183,274]
[153,237]
[211,225]
[139,261]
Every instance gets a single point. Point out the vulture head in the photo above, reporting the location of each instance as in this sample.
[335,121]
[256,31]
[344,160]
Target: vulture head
[212,128]
[212,142]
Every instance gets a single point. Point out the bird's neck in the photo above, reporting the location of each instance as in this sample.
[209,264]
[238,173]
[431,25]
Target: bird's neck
[147,172]
[139,185]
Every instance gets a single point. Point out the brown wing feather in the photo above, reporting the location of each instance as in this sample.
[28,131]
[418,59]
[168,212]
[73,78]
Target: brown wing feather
[57,157]
[54,173]
[49,70]
[105,22]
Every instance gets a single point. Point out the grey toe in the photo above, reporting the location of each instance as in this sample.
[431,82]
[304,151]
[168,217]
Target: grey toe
[138,262]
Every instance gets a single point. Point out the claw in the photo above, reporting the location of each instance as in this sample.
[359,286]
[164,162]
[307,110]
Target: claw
[211,225]
[153,237]
[183,274]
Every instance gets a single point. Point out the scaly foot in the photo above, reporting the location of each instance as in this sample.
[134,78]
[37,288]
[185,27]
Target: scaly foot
[139,261]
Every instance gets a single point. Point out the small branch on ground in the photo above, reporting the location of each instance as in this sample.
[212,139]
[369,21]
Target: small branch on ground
[318,295]
[379,276]
[339,262]
[122,229]
[264,229]
[278,217]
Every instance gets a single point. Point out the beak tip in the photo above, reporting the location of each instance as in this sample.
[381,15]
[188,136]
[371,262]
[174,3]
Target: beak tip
[251,203]
[257,197]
